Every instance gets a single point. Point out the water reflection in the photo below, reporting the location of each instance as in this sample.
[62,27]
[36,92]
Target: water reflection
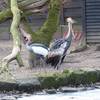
[85,95]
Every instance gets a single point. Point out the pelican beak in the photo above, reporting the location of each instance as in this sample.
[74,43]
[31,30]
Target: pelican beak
[69,19]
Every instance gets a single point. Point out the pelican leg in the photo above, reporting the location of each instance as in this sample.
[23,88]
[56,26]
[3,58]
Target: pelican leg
[62,59]
[54,61]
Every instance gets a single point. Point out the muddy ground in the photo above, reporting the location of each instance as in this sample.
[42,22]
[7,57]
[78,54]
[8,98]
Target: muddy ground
[86,59]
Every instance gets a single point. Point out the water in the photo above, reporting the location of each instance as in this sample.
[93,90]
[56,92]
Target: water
[83,95]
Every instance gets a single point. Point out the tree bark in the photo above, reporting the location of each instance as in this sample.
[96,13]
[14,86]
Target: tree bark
[16,38]
[36,4]
[45,33]
[5,14]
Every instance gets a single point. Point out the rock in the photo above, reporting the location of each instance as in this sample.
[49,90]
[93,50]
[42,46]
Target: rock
[97,87]
[29,85]
[8,98]
[71,89]
[29,81]
[26,94]
[50,91]
[4,86]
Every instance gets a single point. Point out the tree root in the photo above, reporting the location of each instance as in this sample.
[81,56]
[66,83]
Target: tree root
[4,69]
[16,39]
[5,61]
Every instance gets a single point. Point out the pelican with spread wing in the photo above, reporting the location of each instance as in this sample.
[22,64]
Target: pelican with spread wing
[56,53]
[58,48]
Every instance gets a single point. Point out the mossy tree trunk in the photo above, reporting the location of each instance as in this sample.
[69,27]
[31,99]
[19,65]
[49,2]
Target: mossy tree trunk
[43,35]
[16,38]
[50,25]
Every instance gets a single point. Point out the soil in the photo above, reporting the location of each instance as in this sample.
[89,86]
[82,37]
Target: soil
[87,59]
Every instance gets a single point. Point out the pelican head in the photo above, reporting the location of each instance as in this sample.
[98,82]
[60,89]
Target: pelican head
[70,20]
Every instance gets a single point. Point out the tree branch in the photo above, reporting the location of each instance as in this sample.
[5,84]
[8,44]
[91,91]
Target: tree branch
[16,37]
[36,4]
[5,14]
[39,10]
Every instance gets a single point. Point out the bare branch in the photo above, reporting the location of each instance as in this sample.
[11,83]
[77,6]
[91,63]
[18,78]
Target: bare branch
[39,10]
[37,4]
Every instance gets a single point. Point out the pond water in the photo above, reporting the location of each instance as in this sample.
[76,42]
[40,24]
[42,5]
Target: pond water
[83,95]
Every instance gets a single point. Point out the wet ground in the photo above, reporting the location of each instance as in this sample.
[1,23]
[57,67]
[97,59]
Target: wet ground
[84,95]
[86,59]
[91,94]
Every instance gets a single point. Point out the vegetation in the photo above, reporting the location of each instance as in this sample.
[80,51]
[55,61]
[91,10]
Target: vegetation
[70,78]
[20,10]
[45,33]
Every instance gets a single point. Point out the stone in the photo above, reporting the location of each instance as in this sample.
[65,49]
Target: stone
[71,89]
[8,98]
[29,81]
[50,91]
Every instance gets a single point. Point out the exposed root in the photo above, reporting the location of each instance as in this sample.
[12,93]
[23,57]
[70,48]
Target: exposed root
[4,69]
[16,40]
[5,61]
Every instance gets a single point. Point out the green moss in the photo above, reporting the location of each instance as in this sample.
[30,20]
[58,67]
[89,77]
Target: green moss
[73,78]
[5,14]
[45,33]
[91,76]
[82,77]
[76,78]
[98,75]
[48,82]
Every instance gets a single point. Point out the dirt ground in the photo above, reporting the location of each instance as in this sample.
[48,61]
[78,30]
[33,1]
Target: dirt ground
[86,59]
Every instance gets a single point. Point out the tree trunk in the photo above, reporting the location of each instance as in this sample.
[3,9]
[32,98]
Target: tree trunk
[5,14]
[16,38]
[45,34]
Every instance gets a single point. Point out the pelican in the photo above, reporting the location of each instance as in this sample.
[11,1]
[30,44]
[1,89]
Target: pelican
[58,48]
[56,52]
